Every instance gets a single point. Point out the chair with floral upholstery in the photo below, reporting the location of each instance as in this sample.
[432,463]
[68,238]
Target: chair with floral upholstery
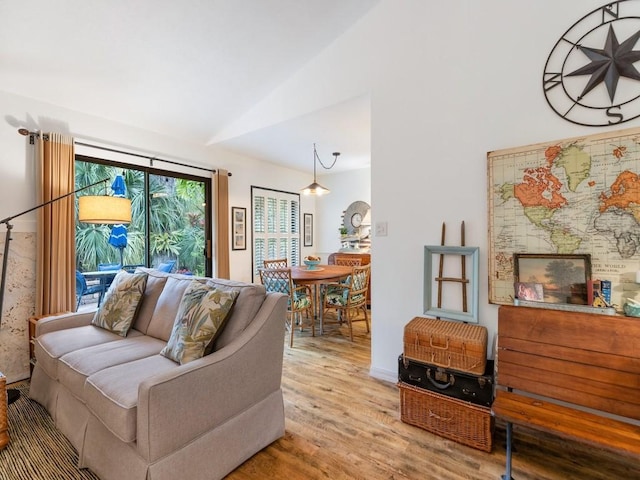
[347,298]
[300,299]
[347,261]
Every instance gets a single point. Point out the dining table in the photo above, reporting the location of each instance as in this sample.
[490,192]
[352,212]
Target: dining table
[315,278]
[105,277]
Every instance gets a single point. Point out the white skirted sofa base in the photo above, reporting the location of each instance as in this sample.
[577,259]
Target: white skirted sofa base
[133,414]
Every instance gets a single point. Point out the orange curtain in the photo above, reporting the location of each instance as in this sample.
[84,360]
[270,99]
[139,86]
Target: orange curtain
[221,183]
[56,259]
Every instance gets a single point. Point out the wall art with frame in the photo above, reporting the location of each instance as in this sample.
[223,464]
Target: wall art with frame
[239,228]
[552,278]
[566,196]
[308,230]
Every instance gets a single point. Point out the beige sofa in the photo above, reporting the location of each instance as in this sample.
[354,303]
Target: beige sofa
[133,414]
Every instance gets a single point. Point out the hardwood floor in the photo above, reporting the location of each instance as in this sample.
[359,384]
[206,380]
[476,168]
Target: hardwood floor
[343,424]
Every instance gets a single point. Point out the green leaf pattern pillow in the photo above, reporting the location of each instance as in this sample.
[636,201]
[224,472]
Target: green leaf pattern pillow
[201,315]
[120,303]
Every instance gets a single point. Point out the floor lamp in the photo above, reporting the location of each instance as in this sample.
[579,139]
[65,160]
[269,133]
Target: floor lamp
[92,209]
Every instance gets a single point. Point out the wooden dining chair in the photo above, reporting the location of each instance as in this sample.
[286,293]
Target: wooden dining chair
[349,297]
[300,297]
[347,260]
[275,263]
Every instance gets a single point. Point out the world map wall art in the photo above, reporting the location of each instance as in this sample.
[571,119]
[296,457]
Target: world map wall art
[575,196]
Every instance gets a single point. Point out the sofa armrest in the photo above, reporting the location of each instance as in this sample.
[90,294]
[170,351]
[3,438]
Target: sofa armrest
[63,321]
[178,406]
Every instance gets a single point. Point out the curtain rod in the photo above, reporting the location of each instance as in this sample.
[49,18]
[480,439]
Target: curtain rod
[25,132]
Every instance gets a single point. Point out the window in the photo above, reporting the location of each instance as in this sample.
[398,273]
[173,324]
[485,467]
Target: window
[170,221]
[276,227]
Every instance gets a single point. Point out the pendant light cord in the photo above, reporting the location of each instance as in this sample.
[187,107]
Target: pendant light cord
[315,155]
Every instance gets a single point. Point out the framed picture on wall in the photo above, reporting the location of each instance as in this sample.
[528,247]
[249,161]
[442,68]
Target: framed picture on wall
[558,278]
[239,228]
[308,230]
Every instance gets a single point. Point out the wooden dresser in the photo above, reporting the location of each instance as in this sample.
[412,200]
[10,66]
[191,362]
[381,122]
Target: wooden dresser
[573,374]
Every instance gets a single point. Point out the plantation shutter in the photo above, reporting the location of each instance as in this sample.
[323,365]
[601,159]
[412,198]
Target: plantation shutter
[276,229]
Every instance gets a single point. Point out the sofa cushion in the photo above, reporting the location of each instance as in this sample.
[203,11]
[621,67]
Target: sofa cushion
[200,319]
[120,304]
[75,367]
[245,309]
[155,283]
[49,347]
[112,394]
[164,314]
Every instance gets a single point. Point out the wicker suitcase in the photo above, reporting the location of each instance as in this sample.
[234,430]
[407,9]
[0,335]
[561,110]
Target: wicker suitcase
[477,389]
[445,343]
[463,422]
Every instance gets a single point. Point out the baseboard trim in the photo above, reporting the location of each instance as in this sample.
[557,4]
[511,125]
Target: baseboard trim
[385,375]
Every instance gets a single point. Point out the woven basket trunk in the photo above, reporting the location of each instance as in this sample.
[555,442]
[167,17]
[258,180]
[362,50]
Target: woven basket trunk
[4,426]
[445,343]
[460,421]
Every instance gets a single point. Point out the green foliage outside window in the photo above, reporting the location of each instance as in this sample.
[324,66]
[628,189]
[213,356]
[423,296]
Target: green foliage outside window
[176,221]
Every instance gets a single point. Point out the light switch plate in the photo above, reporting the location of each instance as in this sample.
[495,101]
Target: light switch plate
[381,229]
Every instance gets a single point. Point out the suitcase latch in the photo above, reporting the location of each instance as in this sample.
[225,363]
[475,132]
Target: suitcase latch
[439,378]
[441,375]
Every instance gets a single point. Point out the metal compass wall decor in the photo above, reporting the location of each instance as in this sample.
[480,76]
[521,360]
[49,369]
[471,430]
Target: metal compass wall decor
[590,77]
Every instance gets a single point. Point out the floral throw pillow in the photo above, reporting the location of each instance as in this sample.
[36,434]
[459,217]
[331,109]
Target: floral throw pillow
[120,303]
[201,315]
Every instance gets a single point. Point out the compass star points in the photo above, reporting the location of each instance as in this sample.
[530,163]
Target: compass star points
[608,64]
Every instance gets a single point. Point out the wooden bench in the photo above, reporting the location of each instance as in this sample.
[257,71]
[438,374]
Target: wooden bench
[574,374]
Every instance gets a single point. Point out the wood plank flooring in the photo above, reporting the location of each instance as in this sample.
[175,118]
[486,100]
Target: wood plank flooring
[343,424]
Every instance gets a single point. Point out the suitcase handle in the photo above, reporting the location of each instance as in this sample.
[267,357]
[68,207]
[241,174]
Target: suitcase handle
[446,346]
[438,385]
[433,360]
[435,415]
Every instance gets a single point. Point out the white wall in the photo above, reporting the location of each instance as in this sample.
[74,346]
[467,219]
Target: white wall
[346,188]
[455,80]
[248,172]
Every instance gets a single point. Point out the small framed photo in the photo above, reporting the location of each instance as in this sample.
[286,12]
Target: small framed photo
[238,228]
[308,230]
[529,291]
[559,278]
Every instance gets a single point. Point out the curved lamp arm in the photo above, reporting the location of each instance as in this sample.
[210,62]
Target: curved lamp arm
[7,239]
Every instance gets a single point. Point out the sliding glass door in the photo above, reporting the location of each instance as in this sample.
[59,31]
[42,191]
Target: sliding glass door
[170,223]
[177,220]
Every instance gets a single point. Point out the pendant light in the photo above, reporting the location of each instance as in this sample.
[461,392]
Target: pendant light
[315,188]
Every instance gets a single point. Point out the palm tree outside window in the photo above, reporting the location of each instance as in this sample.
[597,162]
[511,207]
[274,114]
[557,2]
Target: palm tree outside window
[170,222]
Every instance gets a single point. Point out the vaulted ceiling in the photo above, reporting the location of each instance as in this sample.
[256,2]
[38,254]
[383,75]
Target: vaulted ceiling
[187,68]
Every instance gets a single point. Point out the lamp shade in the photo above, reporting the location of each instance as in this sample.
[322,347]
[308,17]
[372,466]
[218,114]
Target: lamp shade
[315,189]
[104,209]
